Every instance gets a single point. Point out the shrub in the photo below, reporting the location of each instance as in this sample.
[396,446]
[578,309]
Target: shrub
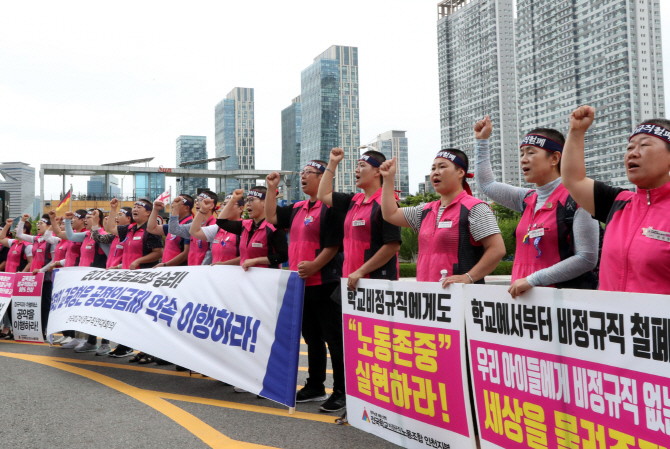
[504,268]
[409,250]
[507,228]
[407,270]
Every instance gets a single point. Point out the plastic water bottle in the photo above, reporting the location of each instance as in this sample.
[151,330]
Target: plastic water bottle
[444,274]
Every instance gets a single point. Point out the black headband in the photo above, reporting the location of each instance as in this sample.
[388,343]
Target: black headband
[316,165]
[370,160]
[653,130]
[239,202]
[545,143]
[256,194]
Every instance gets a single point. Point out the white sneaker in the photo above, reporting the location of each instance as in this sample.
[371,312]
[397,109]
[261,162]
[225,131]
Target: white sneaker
[58,340]
[239,390]
[86,347]
[74,343]
[65,341]
[104,349]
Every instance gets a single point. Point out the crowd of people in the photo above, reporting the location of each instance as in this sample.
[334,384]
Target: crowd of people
[334,235]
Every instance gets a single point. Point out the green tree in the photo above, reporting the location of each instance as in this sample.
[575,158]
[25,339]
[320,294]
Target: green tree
[503,213]
[415,200]
[409,249]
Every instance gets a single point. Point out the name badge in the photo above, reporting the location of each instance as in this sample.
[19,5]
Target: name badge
[656,234]
[308,220]
[217,241]
[139,237]
[172,237]
[14,252]
[359,223]
[89,246]
[39,250]
[256,245]
[536,233]
[119,246]
[444,224]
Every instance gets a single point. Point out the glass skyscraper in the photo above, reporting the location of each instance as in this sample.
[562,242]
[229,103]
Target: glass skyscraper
[329,96]
[606,54]
[477,77]
[394,144]
[21,191]
[291,121]
[151,185]
[190,148]
[95,186]
[234,136]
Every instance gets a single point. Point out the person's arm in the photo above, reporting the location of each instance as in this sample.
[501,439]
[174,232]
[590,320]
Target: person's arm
[232,226]
[381,257]
[573,168]
[505,194]
[107,239]
[228,211]
[153,256]
[195,230]
[390,210]
[71,235]
[178,259]
[307,268]
[4,241]
[20,234]
[234,262]
[271,181]
[279,254]
[325,193]
[484,229]
[152,223]
[28,251]
[110,225]
[587,239]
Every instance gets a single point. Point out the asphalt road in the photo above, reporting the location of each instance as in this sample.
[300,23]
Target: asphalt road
[55,398]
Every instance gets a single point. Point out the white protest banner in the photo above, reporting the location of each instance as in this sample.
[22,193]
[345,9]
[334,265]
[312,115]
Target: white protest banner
[405,364]
[239,327]
[27,307]
[6,288]
[569,368]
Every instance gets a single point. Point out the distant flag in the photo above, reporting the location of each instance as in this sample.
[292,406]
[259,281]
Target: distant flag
[64,202]
[164,197]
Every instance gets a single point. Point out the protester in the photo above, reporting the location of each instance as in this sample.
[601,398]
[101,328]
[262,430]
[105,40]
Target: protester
[43,252]
[92,254]
[20,255]
[225,245]
[199,252]
[316,233]
[176,248]
[370,243]
[261,243]
[459,239]
[115,256]
[142,249]
[636,247]
[3,253]
[556,241]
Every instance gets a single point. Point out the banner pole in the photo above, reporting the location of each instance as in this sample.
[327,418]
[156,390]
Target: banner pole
[70,197]
[291,410]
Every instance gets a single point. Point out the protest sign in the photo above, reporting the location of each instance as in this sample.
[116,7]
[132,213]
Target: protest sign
[405,363]
[240,327]
[6,288]
[569,368]
[27,307]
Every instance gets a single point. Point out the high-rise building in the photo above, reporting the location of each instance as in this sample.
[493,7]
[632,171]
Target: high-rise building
[329,96]
[234,136]
[394,144]
[21,188]
[291,120]
[426,186]
[191,148]
[477,78]
[95,186]
[604,54]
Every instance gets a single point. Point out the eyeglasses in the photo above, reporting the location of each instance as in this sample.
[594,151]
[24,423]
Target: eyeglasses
[307,172]
[250,199]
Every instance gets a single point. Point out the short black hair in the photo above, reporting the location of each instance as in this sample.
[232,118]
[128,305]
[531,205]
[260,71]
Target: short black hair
[147,202]
[27,227]
[130,213]
[554,135]
[463,156]
[82,212]
[379,157]
[660,122]
[189,198]
[47,218]
[101,216]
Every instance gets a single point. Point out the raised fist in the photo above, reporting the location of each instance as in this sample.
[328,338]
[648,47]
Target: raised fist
[207,205]
[9,222]
[25,217]
[69,215]
[388,168]
[52,214]
[58,220]
[177,202]
[114,203]
[238,194]
[336,155]
[483,129]
[159,206]
[272,181]
[581,118]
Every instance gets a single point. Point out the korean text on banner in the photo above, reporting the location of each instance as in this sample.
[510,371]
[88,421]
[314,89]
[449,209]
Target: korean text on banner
[6,288]
[405,365]
[569,368]
[27,307]
[239,327]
